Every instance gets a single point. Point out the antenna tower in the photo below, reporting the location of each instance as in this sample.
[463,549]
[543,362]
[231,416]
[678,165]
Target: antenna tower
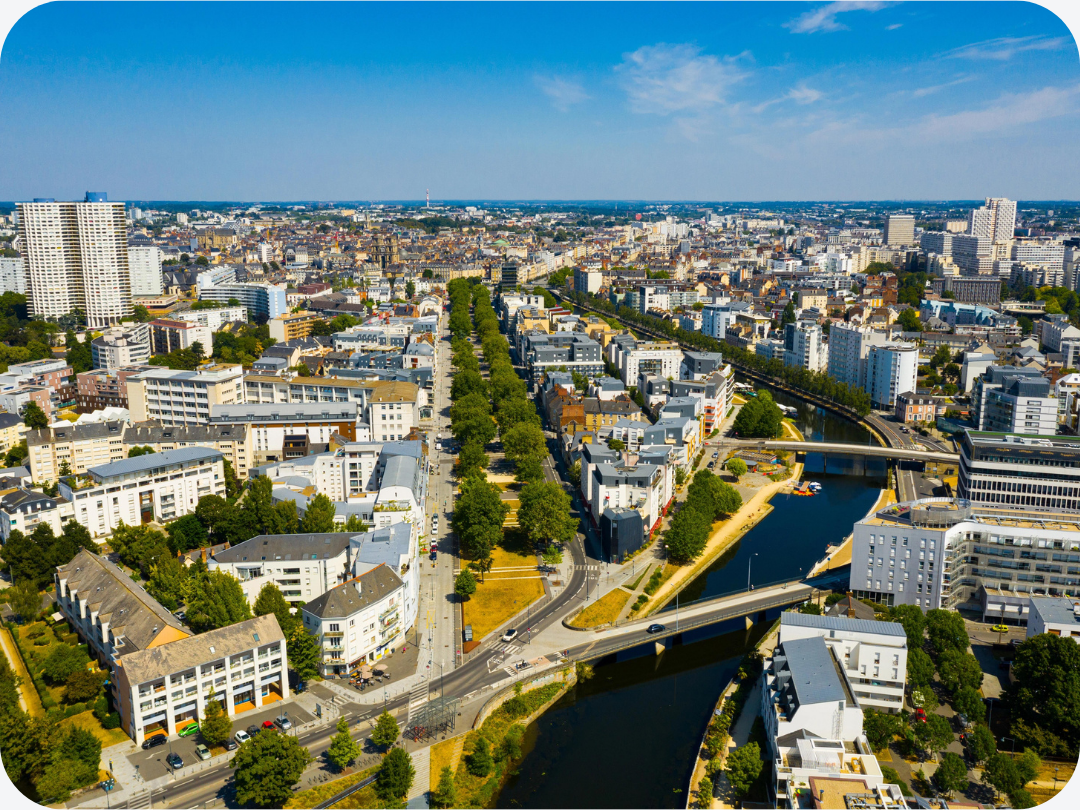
[427,194]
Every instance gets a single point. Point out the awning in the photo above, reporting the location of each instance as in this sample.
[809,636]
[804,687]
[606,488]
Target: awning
[183,707]
[271,678]
[154,718]
[247,687]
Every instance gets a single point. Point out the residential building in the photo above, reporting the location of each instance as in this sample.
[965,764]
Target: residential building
[144,262]
[76,258]
[804,347]
[634,487]
[158,487]
[302,566]
[67,449]
[969,289]
[976,362]
[1056,615]
[12,275]
[587,281]
[912,407]
[653,358]
[308,427]
[358,621]
[214,319]
[393,410]
[848,348]
[184,397]
[121,346]
[890,371]
[12,430]
[24,509]
[292,325]
[169,335]
[995,220]
[899,230]
[972,254]
[232,441]
[575,350]
[258,299]
[104,388]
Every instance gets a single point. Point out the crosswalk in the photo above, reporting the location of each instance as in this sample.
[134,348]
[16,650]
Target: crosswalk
[139,801]
[506,647]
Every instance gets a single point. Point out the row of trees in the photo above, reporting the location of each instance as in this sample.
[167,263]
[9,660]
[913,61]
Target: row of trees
[817,383]
[708,499]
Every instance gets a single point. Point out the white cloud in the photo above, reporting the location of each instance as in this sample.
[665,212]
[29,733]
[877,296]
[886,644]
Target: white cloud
[800,94]
[664,79]
[564,93]
[926,91]
[894,26]
[823,18]
[1004,48]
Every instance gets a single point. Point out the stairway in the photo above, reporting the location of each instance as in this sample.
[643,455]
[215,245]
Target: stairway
[421,759]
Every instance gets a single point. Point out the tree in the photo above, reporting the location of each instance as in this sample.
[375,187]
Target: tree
[215,726]
[789,314]
[935,734]
[137,451]
[524,440]
[510,747]
[545,513]
[1045,696]
[479,517]
[386,730]
[686,537]
[705,791]
[616,444]
[395,776]
[284,519]
[319,515]
[267,767]
[737,467]
[82,686]
[946,630]
[64,660]
[61,777]
[34,418]
[216,601]
[257,507]
[343,748]
[445,795]
[981,743]
[575,474]
[909,319]
[920,668]
[1001,773]
[465,584]
[169,582]
[743,767]
[880,728]
[303,650]
[951,774]
[959,670]
[968,703]
[410,290]
[472,460]
[25,599]
[529,471]
[914,622]
[479,762]
[187,533]
[1028,765]
[270,600]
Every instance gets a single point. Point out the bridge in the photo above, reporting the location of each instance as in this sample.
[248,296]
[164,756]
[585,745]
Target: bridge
[847,448]
[675,620]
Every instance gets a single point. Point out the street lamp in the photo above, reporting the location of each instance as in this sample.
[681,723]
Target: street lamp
[749,560]
[1003,739]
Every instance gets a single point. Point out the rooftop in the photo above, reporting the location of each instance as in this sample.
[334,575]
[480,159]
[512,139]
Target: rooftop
[355,594]
[1056,609]
[842,623]
[286,547]
[156,461]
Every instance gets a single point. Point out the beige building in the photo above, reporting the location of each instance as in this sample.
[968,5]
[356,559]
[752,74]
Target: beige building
[292,325]
[79,447]
[184,397]
[232,441]
[12,429]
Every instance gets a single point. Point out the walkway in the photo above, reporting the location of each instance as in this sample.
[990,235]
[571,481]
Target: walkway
[29,701]
[740,735]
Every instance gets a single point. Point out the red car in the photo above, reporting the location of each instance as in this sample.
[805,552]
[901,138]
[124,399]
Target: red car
[267,724]
[920,715]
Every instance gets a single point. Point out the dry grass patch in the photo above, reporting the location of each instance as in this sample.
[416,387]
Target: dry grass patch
[496,600]
[603,611]
[87,722]
[317,795]
[441,755]
[512,558]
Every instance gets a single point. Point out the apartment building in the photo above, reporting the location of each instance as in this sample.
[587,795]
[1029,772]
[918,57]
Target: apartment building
[25,509]
[168,335]
[184,397]
[76,257]
[1041,472]
[257,299]
[12,430]
[912,407]
[104,387]
[393,410]
[12,275]
[293,325]
[1056,615]
[358,621]
[144,262]
[212,319]
[969,289]
[68,449]
[653,358]
[232,441]
[899,230]
[306,427]
[972,254]
[891,370]
[122,346]
[575,350]
[804,347]
[849,346]
[636,487]
[995,220]
[302,566]
[158,487]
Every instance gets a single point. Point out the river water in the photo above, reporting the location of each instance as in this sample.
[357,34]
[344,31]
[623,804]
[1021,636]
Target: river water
[628,737]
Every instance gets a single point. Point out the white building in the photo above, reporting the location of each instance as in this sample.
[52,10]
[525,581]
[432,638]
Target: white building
[995,220]
[848,349]
[213,319]
[972,254]
[587,281]
[1055,615]
[302,566]
[256,298]
[158,487]
[145,264]
[120,346]
[890,371]
[12,275]
[76,258]
[655,359]
[900,230]
[804,347]
[184,397]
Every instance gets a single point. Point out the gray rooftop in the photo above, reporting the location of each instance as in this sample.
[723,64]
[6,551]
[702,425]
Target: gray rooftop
[156,461]
[286,547]
[355,595]
[384,546]
[814,675]
[284,411]
[1055,609]
[842,623]
[74,433]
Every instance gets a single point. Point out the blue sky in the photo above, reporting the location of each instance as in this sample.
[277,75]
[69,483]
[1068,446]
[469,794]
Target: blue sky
[718,101]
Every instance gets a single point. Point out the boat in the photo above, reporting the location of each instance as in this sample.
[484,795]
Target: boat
[814,486]
[803,489]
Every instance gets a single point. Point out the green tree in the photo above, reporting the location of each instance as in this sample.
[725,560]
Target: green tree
[981,743]
[64,660]
[169,582]
[1028,765]
[471,460]
[284,519]
[1001,773]
[743,767]
[880,728]
[267,767]
[465,584]
[395,776]
[909,320]
[946,630]
[479,762]
[951,775]
[914,622]
[137,451]
[524,440]
[920,668]
[510,746]
[935,734]
[410,290]
[737,467]
[686,537]
[616,444]
[968,703]
[270,600]
[788,315]
[319,515]
[34,418]
[529,471]
[343,748]
[187,533]
[215,725]
[82,686]
[545,513]
[445,795]
[303,650]
[216,601]
[478,518]
[386,730]
[1045,695]
[25,600]
[959,670]
[257,506]
[62,776]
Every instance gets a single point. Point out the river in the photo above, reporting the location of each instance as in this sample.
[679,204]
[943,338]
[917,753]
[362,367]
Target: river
[628,737]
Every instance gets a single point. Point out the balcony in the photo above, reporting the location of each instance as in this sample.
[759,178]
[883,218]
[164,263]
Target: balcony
[334,633]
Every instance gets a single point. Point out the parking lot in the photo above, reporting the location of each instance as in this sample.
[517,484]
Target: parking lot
[151,764]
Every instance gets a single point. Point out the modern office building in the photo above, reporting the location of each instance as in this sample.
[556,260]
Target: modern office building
[1015,471]
[1009,399]
[900,230]
[184,397]
[145,264]
[213,319]
[76,257]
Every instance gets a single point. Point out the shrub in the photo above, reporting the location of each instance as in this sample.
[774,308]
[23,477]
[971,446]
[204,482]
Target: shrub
[112,720]
[74,709]
[639,603]
[42,641]
[654,581]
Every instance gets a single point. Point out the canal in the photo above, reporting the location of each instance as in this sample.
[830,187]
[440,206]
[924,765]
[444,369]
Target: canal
[628,737]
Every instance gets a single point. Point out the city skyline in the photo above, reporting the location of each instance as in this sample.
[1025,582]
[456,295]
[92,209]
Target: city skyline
[831,101]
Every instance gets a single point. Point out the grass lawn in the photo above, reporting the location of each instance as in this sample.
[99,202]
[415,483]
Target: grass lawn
[441,754]
[515,551]
[637,581]
[605,610]
[87,722]
[494,602]
[318,795]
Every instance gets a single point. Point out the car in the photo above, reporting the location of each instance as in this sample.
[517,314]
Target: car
[1016,642]
[231,744]
[962,721]
[188,730]
[434,556]
[655,628]
[716,455]
[999,628]
[175,761]
[241,736]
[253,729]
[201,751]
[283,722]
[268,724]
[509,635]
[920,715]
[153,742]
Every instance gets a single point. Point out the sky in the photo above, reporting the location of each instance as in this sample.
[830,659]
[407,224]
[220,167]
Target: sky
[643,101]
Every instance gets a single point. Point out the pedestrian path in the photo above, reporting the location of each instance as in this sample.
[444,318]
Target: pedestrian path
[421,760]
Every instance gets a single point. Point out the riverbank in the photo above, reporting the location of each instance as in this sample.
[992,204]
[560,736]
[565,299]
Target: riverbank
[841,555]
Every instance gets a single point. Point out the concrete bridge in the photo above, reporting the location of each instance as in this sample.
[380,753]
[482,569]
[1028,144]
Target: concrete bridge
[847,448]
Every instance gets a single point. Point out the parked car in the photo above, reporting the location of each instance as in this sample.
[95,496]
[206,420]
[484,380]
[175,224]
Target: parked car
[175,761]
[253,729]
[434,556]
[201,751]
[509,635]
[153,742]
[269,725]
[283,722]
[188,730]
[241,736]
[231,744]
[655,628]
[920,715]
